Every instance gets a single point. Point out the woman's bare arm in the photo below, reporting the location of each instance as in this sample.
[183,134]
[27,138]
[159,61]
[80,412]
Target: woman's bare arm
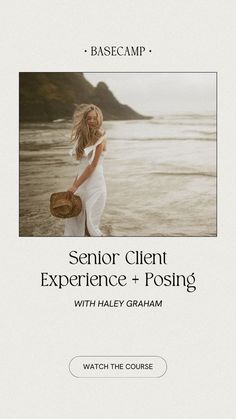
[88,171]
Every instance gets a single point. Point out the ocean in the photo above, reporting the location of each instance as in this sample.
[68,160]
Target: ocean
[160,175]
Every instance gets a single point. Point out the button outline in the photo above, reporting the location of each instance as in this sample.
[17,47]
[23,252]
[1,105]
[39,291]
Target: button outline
[117,356]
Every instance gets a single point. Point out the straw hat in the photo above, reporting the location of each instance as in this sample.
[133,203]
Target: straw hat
[65,205]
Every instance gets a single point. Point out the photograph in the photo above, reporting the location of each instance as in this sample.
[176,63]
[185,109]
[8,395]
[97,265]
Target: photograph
[117,154]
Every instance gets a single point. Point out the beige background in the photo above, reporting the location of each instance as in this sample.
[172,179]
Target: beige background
[41,330]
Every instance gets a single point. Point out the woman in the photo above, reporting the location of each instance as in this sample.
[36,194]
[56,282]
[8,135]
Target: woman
[89,184]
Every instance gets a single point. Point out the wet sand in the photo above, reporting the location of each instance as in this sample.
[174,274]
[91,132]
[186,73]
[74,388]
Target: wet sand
[162,186]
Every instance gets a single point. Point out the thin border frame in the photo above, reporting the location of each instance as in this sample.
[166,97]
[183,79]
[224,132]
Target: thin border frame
[133,72]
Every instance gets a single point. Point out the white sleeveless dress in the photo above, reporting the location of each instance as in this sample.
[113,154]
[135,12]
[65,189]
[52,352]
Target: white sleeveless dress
[93,195]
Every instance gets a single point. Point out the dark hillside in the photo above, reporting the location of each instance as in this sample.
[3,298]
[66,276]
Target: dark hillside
[49,96]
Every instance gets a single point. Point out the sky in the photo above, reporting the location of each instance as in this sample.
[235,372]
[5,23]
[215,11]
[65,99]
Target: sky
[157,93]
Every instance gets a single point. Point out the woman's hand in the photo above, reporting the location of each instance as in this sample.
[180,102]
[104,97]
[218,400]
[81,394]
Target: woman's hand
[72,189]
[70,192]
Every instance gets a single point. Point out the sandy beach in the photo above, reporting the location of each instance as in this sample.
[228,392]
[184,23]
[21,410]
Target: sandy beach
[160,176]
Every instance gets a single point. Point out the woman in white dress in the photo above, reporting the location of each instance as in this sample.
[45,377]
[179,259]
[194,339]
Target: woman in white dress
[89,147]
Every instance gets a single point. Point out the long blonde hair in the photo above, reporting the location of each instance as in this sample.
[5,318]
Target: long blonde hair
[81,133]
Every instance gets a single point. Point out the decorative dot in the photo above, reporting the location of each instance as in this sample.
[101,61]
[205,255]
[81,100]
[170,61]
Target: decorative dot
[150,50]
[85,50]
